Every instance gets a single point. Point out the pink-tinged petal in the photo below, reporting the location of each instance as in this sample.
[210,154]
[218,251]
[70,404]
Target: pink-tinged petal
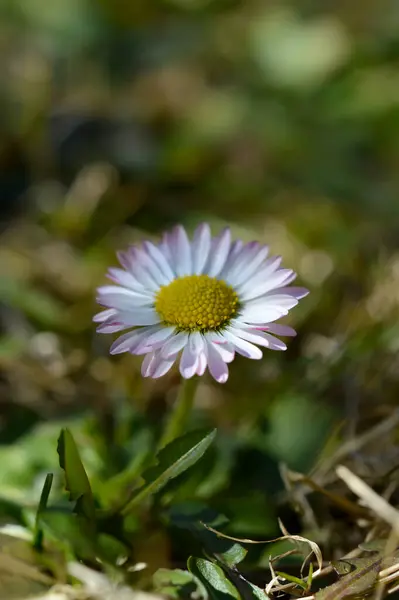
[219,252]
[125,279]
[181,251]
[261,314]
[202,364]
[216,365]
[243,347]
[112,325]
[200,248]
[253,289]
[226,351]
[160,258]
[175,344]
[260,338]
[277,329]
[296,292]
[104,315]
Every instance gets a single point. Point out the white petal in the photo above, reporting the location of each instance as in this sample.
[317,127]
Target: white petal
[146,365]
[296,292]
[180,250]
[125,279]
[160,366]
[265,271]
[112,326]
[200,248]
[291,278]
[139,316]
[155,366]
[189,362]
[219,252]
[125,259]
[283,330]
[283,300]
[140,272]
[234,254]
[243,347]
[121,298]
[160,258]
[226,351]
[258,337]
[216,365]
[151,267]
[164,247]
[252,289]
[175,344]
[104,315]
[202,363]
[126,341]
[248,263]
[261,314]
[275,343]
[161,335]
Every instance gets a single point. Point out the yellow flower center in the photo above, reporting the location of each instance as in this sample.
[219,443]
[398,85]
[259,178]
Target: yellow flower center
[197,303]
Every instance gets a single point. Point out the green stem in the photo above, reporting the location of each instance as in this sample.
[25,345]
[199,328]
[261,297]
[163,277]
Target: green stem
[177,422]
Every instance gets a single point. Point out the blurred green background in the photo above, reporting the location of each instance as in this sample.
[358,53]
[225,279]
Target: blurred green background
[119,119]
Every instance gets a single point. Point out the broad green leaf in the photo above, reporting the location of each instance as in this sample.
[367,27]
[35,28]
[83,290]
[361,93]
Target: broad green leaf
[172,582]
[38,540]
[214,579]
[174,459]
[67,528]
[76,480]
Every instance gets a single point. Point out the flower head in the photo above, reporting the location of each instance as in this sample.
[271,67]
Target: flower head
[202,300]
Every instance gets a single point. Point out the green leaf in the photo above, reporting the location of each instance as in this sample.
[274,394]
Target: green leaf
[360,578]
[76,480]
[214,579]
[176,582]
[174,459]
[193,516]
[258,592]
[38,539]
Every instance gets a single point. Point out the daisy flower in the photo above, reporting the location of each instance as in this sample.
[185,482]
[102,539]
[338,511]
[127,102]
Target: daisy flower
[197,302]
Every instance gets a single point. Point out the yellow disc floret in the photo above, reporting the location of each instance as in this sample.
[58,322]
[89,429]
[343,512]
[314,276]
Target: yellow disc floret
[197,303]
